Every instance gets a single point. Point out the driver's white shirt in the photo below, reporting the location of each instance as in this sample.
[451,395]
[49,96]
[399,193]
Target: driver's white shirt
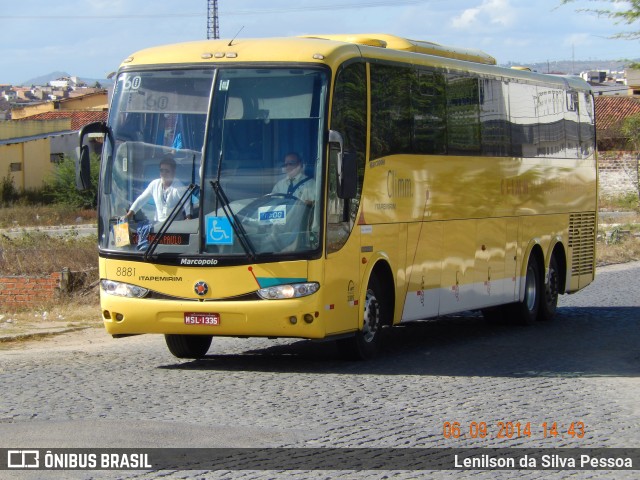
[165,200]
[305,192]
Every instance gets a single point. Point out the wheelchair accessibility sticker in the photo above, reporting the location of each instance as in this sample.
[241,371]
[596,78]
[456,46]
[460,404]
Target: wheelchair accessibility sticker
[219,231]
[274,215]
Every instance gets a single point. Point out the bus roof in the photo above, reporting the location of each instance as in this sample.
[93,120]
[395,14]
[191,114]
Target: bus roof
[333,50]
[393,42]
[302,49]
[275,50]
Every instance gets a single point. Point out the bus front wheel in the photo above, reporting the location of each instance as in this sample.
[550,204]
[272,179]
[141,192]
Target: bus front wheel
[188,346]
[365,344]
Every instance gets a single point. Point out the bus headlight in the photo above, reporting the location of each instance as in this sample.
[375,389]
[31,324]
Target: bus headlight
[123,289]
[295,290]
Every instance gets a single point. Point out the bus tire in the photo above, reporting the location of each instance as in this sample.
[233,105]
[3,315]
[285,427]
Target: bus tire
[549,302]
[365,344]
[188,346]
[526,311]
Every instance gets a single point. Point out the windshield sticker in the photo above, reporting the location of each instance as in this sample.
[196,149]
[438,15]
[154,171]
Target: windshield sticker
[224,85]
[275,215]
[219,231]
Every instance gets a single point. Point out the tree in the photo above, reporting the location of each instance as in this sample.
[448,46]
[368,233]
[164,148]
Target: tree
[626,12]
[61,186]
[8,192]
[631,130]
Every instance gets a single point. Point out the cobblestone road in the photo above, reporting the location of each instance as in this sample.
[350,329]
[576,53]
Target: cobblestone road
[583,367]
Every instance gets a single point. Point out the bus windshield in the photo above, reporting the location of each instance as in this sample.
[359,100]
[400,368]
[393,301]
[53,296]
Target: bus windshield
[214,162]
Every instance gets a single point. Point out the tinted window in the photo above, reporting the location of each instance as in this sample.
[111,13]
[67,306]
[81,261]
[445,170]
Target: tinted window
[391,118]
[463,115]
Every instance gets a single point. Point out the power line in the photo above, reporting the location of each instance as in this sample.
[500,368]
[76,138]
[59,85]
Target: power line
[104,17]
[266,11]
[338,6]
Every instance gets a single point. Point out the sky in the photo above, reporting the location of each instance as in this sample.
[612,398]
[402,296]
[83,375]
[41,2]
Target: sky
[90,38]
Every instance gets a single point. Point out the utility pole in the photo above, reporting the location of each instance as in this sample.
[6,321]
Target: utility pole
[212,20]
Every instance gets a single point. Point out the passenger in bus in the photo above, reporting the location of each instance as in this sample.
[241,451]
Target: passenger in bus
[165,191]
[296,183]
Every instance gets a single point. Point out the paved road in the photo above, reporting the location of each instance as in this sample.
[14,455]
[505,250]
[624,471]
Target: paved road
[93,391]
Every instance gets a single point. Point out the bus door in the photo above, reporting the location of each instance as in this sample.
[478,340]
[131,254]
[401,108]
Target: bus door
[342,265]
[343,255]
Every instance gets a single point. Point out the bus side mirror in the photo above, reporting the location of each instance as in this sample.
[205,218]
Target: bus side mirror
[83,170]
[347,166]
[83,164]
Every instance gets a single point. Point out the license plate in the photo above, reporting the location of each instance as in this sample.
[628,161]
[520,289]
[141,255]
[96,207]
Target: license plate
[211,319]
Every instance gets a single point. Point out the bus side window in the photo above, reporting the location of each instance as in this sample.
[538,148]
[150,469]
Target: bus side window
[349,118]
[429,111]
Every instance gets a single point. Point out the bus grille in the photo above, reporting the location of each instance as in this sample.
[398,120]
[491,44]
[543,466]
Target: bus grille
[582,241]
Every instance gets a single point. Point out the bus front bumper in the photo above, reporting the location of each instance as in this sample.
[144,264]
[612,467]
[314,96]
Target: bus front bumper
[299,318]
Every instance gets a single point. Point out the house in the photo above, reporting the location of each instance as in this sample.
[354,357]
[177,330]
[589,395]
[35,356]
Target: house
[67,82]
[594,76]
[40,135]
[632,76]
[95,101]
[618,168]
[610,113]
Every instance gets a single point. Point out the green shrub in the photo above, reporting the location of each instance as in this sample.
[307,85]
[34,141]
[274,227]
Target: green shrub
[61,187]
[625,202]
[8,191]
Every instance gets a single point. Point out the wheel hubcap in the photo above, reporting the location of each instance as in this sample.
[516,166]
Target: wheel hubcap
[371,317]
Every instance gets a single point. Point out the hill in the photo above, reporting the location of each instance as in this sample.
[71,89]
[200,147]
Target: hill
[574,66]
[45,79]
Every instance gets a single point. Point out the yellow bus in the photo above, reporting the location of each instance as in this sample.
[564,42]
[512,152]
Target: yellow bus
[329,187]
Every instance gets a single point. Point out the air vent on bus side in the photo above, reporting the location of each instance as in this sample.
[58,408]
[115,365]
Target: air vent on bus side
[581,240]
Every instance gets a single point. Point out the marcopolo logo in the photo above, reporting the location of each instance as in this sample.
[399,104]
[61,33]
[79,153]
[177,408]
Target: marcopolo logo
[198,261]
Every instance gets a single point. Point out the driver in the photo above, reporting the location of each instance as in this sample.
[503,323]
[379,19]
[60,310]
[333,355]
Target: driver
[296,183]
[166,192]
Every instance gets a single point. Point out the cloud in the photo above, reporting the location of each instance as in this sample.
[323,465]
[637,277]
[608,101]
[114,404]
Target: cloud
[492,12]
[466,18]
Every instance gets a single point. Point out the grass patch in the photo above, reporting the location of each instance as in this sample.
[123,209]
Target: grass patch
[627,249]
[23,215]
[626,202]
[35,253]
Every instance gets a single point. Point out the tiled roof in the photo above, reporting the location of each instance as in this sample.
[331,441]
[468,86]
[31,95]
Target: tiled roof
[78,119]
[611,110]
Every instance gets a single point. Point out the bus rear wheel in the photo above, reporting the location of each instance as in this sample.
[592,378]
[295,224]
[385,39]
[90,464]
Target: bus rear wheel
[188,346]
[549,302]
[526,311]
[365,344]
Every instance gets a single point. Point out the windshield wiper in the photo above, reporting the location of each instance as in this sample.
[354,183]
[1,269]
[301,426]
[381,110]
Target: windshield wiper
[167,223]
[233,220]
